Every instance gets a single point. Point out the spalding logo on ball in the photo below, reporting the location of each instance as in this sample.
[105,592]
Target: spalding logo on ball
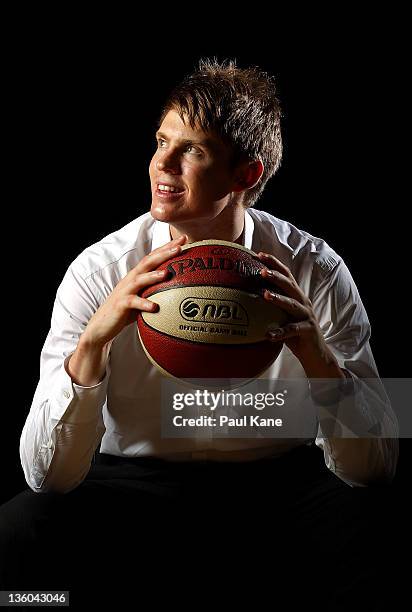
[212,317]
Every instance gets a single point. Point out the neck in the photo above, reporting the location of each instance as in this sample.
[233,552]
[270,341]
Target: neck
[223,227]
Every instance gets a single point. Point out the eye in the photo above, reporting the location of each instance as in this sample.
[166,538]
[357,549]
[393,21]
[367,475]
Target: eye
[160,143]
[193,150]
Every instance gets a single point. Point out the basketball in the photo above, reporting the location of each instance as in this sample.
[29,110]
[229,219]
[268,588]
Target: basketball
[212,316]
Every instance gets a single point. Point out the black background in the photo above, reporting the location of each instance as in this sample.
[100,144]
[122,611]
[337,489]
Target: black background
[83,98]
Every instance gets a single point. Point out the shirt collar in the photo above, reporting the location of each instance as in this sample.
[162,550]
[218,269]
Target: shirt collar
[161,233]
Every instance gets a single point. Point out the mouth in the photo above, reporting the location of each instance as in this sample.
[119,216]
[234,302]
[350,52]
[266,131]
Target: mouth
[169,192]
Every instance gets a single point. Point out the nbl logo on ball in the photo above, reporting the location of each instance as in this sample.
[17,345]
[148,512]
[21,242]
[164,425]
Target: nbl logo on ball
[189,309]
[212,311]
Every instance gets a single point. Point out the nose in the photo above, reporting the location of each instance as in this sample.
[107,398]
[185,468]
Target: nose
[168,162]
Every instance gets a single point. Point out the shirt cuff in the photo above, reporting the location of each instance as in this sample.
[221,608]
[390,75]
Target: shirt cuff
[75,403]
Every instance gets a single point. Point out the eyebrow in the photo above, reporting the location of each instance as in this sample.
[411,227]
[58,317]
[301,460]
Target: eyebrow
[203,143]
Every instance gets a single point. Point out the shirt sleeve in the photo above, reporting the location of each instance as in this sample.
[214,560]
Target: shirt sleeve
[65,424]
[359,433]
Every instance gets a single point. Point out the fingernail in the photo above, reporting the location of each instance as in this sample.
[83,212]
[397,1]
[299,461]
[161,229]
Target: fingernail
[174,249]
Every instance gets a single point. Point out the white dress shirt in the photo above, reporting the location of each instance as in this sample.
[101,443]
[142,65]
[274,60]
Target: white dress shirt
[66,421]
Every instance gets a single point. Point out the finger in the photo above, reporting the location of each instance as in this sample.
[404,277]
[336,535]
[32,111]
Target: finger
[289,305]
[287,284]
[275,264]
[292,330]
[146,279]
[135,302]
[159,256]
[180,240]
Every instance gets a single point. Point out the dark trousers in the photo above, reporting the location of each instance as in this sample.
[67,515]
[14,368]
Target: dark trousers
[284,528]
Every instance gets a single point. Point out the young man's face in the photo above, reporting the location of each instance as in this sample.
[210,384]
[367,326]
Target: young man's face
[197,165]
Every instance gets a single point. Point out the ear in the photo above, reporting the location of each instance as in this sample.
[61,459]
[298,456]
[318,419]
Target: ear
[248,175]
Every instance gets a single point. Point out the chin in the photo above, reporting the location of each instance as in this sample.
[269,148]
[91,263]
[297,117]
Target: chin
[165,213]
[160,213]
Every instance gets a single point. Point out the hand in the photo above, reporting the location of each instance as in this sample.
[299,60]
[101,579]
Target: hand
[302,335]
[119,310]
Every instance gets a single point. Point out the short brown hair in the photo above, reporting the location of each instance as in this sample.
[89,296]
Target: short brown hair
[240,105]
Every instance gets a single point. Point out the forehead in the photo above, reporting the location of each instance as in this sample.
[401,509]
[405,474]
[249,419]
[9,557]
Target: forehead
[175,128]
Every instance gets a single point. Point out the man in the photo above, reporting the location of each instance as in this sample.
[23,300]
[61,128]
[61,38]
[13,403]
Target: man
[218,143]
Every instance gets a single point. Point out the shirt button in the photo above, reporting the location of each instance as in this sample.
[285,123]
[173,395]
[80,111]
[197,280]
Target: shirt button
[66,393]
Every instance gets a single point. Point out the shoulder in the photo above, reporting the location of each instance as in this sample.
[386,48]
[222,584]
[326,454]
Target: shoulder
[119,251]
[300,249]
